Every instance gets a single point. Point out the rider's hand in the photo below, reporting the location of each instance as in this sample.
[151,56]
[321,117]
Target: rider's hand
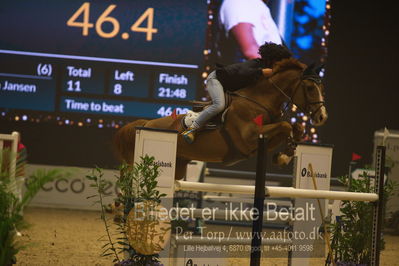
[267,72]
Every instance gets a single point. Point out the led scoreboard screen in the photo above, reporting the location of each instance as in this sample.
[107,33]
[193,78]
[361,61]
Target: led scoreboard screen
[88,62]
[103,58]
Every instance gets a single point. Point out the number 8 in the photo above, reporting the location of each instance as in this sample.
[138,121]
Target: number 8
[117,88]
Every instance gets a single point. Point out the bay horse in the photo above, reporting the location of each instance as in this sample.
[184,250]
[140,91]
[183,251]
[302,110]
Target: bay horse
[291,83]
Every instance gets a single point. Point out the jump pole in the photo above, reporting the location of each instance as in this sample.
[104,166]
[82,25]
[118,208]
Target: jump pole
[378,213]
[259,199]
[276,192]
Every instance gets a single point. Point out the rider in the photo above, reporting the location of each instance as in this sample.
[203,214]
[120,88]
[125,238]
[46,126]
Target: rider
[234,77]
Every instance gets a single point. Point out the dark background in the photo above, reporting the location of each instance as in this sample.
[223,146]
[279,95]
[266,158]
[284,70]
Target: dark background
[361,91]
[361,78]
[31,30]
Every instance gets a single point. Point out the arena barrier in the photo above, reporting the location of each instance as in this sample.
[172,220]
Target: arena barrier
[162,145]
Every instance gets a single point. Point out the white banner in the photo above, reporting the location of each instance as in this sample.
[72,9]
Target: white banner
[162,145]
[71,192]
[320,157]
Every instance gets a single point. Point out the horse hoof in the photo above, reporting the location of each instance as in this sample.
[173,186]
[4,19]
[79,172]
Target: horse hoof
[275,158]
[281,159]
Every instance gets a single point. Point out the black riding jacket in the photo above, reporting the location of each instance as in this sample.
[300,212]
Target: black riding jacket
[237,76]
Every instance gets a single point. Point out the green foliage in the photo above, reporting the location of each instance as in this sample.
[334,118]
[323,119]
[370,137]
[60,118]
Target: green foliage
[137,183]
[9,219]
[352,232]
[11,207]
[109,248]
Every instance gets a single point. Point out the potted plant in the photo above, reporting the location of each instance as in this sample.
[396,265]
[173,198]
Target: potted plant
[11,206]
[135,243]
[351,233]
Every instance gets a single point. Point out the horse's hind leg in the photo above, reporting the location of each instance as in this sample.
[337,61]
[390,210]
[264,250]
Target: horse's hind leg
[181,168]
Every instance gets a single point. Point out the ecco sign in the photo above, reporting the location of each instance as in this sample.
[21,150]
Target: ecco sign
[71,193]
[75,185]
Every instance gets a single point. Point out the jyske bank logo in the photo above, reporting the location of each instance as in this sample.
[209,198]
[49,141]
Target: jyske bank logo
[163,164]
[306,173]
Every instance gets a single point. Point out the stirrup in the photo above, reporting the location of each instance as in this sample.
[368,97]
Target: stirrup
[188,135]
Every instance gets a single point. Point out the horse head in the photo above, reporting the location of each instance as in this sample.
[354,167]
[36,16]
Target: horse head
[308,96]
[301,86]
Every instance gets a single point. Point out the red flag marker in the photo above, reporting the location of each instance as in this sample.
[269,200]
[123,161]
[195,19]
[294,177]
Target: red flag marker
[174,114]
[356,157]
[259,120]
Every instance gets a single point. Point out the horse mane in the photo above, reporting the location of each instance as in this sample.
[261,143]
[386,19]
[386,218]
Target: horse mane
[288,64]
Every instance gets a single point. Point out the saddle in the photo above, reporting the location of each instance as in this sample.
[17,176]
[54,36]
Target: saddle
[215,122]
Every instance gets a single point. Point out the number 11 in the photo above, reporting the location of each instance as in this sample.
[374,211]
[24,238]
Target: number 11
[70,86]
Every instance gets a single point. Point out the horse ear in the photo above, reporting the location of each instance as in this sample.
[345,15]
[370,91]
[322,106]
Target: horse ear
[310,70]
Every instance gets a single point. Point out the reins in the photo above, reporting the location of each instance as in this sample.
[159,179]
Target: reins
[255,102]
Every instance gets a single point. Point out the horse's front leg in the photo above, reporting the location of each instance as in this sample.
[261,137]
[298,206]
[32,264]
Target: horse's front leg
[298,131]
[276,133]
[279,133]
[296,135]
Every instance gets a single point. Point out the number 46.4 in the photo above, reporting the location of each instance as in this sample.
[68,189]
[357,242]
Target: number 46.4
[84,11]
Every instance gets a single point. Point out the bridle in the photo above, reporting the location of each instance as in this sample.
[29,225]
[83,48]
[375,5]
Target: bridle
[306,109]
[308,103]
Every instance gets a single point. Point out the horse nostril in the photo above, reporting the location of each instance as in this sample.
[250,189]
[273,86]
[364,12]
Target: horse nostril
[321,118]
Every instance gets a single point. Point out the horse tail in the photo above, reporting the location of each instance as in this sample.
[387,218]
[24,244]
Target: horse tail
[124,141]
